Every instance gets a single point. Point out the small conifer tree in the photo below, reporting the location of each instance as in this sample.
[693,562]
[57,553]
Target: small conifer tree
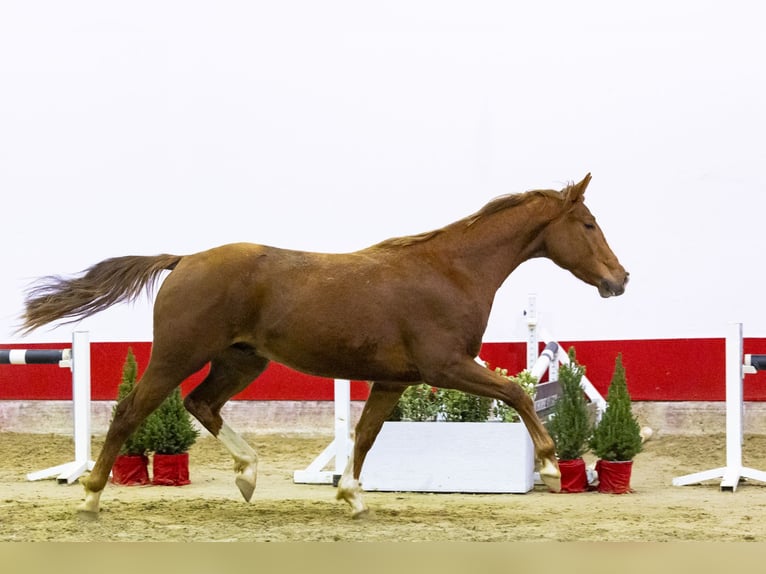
[170,429]
[136,443]
[618,435]
[569,425]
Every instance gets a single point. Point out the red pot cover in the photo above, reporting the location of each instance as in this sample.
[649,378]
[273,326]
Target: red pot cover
[614,476]
[171,469]
[573,475]
[131,470]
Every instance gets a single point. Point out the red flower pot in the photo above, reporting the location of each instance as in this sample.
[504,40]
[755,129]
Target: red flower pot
[171,469]
[131,470]
[614,476]
[573,475]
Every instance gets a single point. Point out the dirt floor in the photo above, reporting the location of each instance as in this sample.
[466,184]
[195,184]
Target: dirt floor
[211,508]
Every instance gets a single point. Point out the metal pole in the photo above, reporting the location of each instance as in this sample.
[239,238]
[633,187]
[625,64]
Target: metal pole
[342,424]
[81,395]
[532,336]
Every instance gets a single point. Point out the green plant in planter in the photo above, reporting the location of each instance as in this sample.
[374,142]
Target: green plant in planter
[465,407]
[618,436]
[570,426]
[526,381]
[418,403]
[426,403]
[136,443]
[170,429]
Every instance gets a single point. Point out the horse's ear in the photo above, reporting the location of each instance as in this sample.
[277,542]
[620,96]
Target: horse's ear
[575,191]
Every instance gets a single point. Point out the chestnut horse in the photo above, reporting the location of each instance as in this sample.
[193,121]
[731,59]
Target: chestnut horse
[404,311]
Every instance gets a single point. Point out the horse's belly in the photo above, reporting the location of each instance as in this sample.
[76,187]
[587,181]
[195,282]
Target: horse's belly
[362,363]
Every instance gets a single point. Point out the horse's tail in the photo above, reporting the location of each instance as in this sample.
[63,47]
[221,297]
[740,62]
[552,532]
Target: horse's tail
[104,284]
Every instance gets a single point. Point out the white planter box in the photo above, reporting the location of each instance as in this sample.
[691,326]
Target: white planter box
[491,457]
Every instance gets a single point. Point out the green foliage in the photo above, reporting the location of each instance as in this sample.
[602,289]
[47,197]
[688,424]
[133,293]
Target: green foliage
[570,426]
[170,429]
[464,407]
[506,413]
[426,403]
[617,436]
[136,444]
[419,403]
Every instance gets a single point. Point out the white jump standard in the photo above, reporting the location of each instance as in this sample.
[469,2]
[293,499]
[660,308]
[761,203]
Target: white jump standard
[78,360]
[734,471]
[339,449]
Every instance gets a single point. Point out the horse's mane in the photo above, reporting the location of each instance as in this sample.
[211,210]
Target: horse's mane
[494,206]
[510,200]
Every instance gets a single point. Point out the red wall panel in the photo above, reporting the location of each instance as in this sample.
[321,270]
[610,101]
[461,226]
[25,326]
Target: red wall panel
[30,382]
[656,370]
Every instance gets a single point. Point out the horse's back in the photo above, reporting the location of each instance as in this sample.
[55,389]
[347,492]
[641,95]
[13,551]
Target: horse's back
[315,312]
[246,281]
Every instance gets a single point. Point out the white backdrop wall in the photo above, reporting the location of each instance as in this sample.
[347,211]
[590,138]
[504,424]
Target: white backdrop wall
[173,126]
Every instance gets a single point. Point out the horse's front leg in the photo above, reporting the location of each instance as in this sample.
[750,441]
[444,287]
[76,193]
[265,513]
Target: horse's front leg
[470,377]
[381,402]
[545,449]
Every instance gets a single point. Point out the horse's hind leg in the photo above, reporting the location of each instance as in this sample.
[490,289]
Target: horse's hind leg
[381,402]
[468,376]
[155,385]
[230,372]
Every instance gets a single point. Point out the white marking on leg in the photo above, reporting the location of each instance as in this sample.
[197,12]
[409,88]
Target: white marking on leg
[245,460]
[350,490]
[90,507]
[550,475]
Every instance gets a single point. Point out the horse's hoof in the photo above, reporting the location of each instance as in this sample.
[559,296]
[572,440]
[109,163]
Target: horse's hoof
[86,515]
[246,487]
[552,482]
[551,476]
[358,508]
[89,508]
[363,514]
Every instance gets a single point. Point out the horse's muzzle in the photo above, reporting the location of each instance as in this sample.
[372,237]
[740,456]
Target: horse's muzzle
[610,288]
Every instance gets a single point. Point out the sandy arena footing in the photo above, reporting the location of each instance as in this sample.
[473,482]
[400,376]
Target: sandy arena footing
[691,418]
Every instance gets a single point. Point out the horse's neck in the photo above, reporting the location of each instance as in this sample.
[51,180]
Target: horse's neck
[493,246]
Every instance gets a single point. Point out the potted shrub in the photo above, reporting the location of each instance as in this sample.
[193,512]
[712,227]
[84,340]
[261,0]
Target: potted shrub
[617,438]
[170,433]
[526,381]
[132,464]
[449,441]
[570,427]
[418,403]
[457,406]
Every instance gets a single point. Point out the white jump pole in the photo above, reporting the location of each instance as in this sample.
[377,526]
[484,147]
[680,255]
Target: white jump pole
[340,447]
[587,386]
[534,334]
[342,441]
[734,471]
[79,363]
[544,362]
[532,337]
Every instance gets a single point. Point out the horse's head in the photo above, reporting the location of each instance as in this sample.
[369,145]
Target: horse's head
[573,240]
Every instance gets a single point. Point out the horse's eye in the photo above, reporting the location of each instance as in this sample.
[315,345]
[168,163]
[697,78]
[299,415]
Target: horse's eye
[590,226]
